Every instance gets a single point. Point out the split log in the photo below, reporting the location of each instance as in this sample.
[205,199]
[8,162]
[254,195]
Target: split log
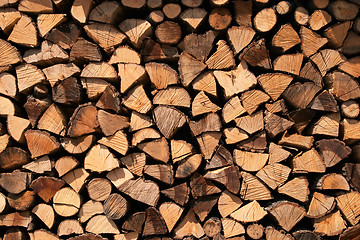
[68,227]
[179,193]
[290,63]
[189,68]
[255,231]
[46,187]
[333,56]
[253,189]
[188,166]
[274,174]
[345,90]
[28,76]
[193,17]
[161,172]
[20,202]
[41,143]
[171,213]
[250,161]
[251,212]
[134,222]
[256,54]
[280,211]
[350,109]
[222,58]
[16,219]
[83,121]
[13,157]
[101,224]
[189,226]
[76,178]
[115,206]
[77,145]
[319,19]
[347,203]
[106,12]
[45,213]
[320,205]
[203,206]
[297,141]
[309,161]
[137,30]
[333,181]
[231,227]
[219,18]
[296,188]
[24,27]
[66,202]
[100,159]
[332,151]
[143,191]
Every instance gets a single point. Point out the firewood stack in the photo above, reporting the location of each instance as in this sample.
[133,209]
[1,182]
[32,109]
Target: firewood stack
[188,119]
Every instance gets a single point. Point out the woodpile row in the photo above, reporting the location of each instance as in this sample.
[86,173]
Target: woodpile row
[187,119]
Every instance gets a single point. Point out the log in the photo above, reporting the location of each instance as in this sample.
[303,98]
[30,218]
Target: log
[296,188]
[92,54]
[231,227]
[115,206]
[106,12]
[45,213]
[24,27]
[350,109]
[193,17]
[332,181]
[100,224]
[178,193]
[343,11]
[20,202]
[255,231]
[265,20]
[309,161]
[83,121]
[286,38]
[13,157]
[66,202]
[219,18]
[137,30]
[279,211]
[46,187]
[68,227]
[77,145]
[319,19]
[274,174]
[171,213]
[203,206]
[134,222]
[251,212]
[222,58]
[253,189]
[28,76]
[168,32]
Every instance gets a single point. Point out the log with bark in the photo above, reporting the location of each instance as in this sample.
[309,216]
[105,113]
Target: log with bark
[191,119]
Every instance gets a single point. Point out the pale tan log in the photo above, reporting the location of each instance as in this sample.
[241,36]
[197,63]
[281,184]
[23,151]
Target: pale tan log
[99,70]
[117,142]
[2,202]
[53,120]
[66,202]
[135,162]
[9,54]
[137,30]
[188,166]
[48,54]
[139,121]
[250,161]
[28,76]
[330,225]
[158,149]
[8,85]
[210,123]
[77,145]
[189,68]
[320,205]
[252,99]
[125,54]
[228,203]
[158,72]
[118,176]
[41,143]
[327,125]
[171,213]
[89,209]
[180,150]
[188,226]
[43,234]
[350,128]
[19,219]
[60,72]
[100,159]
[311,41]
[208,142]
[45,213]
[286,37]
[101,224]
[143,135]
[240,37]
[251,212]
[76,178]
[332,181]
[68,227]
[144,191]
[274,83]
[296,188]
[65,164]
[234,135]
[231,227]
[350,109]
[130,74]
[46,22]
[174,96]
[111,123]
[253,189]
[236,81]
[8,19]
[156,17]
[342,85]
[265,20]
[327,59]
[273,234]
[137,100]
[97,31]
[24,32]
[274,174]
[290,63]
[193,17]
[277,153]
[202,104]
[297,141]
[287,214]
[40,165]
[232,109]
[319,19]
[351,66]
[206,82]
[16,127]
[222,58]
[83,121]
[7,107]
[251,123]
[36,6]
[348,205]
[309,161]
[106,12]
